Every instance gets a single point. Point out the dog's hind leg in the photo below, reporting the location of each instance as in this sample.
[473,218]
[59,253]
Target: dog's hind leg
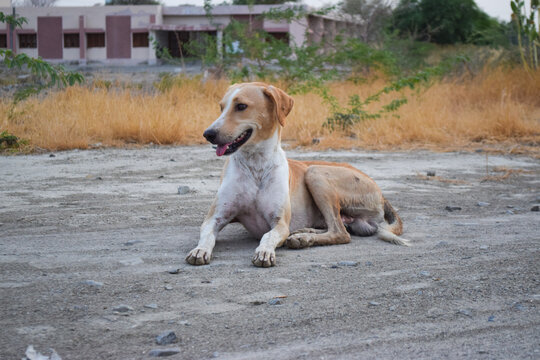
[324,184]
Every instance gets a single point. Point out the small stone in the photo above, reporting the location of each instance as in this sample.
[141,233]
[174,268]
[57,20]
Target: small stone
[430,173]
[392,308]
[183,189]
[334,267]
[122,308]
[52,155]
[172,160]
[510,206]
[275,301]
[168,287]
[509,212]
[166,338]
[484,247]
[425,273]
[164,352]
[442,244]
[347,263]
[465,312]
[315,141]
[491,318]
[160,177]
[535,208]
[185,323]
[151,306]
[173,271]
[481,203]
[92,283]
[374,303]
[518,306]
[452,208]
[215,354]
[369,263]
[98,178]
[132,242]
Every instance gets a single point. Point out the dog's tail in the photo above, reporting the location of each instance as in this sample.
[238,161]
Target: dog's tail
[392,227]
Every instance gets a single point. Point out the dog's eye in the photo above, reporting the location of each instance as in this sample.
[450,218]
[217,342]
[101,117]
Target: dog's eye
[241,107]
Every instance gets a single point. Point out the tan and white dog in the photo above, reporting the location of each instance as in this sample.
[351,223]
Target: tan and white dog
[280,201]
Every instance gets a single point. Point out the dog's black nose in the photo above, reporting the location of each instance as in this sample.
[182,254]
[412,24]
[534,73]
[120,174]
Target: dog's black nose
[210,135]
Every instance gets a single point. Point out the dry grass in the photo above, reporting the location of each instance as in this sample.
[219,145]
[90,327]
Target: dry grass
[506,173]
[499,109]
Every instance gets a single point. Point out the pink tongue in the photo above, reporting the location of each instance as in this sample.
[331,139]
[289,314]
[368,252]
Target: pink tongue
[221,149]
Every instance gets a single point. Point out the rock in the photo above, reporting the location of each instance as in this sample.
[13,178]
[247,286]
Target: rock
[173,271]
[481,203]
[491,318]
[122,308]
[32,354]
[172,160]
[164,352]
[215,354]
[275,301]
[484,247]
[442,244]
[183,189]
[518,306]
[132,242]
[52,155]
[160,177]
[151,306]
[392,308]
[315,141]
[535,208]
[509,212]
[430,173]
[166,338]
[465,312]
[92,283]
[425,273]
[168,287]
[452,208]
[347,263]
[374,303]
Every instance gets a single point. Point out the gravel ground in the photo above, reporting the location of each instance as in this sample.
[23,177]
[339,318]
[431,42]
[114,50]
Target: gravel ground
[93,245]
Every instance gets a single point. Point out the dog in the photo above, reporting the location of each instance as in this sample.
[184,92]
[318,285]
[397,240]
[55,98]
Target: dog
[280,201]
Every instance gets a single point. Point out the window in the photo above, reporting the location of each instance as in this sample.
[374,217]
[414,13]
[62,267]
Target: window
[3,41]
[95,40]
[140,39]
[27,41]
[71,40]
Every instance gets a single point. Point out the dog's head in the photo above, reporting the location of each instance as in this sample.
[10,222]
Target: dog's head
[250,113]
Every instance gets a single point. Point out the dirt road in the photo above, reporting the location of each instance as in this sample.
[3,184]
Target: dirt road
[84,232]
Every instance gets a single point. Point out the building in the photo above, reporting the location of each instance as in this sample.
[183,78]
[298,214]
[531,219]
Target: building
[120,34]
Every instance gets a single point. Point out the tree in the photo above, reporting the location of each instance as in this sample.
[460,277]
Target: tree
[132,2]
[373,16]
[443,22]
[261,2]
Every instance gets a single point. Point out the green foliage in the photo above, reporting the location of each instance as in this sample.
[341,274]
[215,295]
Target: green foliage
[261,2]
[48,75]
[528,37]
[344,118]
[445,22]
[11,142]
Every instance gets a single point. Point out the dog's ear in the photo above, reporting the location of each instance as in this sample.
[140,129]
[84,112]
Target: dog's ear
[282,102]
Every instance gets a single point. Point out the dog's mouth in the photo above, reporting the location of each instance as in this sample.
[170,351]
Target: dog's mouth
[229,148]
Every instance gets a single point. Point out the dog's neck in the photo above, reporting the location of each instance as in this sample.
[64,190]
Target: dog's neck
[261,158]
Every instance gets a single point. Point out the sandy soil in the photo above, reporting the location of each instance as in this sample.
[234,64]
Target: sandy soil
[86,231]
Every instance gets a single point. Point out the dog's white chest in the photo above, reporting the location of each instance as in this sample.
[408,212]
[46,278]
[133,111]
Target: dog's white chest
[256,195]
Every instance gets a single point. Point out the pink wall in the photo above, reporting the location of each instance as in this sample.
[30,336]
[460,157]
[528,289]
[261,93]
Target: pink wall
[49,37]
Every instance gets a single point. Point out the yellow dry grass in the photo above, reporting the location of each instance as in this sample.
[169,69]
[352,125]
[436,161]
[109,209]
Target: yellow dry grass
[499,109]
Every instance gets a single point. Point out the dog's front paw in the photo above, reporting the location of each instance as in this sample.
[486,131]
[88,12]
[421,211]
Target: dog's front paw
[199,256]
[299,241]
[264,257]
